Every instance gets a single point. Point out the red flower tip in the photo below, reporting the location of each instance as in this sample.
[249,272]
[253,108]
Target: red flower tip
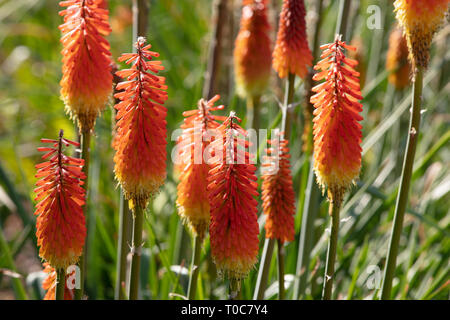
[140,141]
[232,187]
[60,225]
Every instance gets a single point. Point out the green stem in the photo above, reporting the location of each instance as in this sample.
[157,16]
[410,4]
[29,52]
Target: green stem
[309,191]
[235,289]
[331,254]
[215,50]
[140,18]
[18,287]
[264,267]
[122,249]
[85,155]
[197,249]
[344,9]
[287,110]
[281,255]
[136,246]
[253,104]
[402,197]
[60,284]
[306,237]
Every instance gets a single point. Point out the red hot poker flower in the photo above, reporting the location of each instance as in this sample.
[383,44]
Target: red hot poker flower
[49,284]
[397,60]
[252,53]
[140,142]
[232,187]
[278,193]
[337,133]
[86,84]
[192,202]
[291,53]
[60,225]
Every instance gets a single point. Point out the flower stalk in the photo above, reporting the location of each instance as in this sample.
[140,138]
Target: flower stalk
[60,284]
[85,155]
[195,265]
[331,252]
[402,197]
[136,251]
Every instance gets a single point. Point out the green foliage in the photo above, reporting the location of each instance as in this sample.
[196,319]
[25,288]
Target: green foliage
[30,108]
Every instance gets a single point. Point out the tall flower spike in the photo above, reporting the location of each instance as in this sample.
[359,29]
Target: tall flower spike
[49,284]
[291,53]
[337,133]
[397,60]
[278,193]
[232,187]
[140,142]
[60,224]
[420,19]
[86,84]
[252,53]
[192,202]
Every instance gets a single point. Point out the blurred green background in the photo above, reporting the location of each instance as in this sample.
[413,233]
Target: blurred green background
[180,30]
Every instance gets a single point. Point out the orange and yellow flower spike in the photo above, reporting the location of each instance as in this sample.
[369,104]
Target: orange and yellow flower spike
[252,53]
[397,60]
[86,84]
[420,19]
[49,284]
[337,132]
[232,187]
[140,141]
[192,202]
[292,53]
[278,193]
[60,224]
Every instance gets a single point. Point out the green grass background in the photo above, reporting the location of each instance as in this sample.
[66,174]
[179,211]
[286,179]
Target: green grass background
[30,109]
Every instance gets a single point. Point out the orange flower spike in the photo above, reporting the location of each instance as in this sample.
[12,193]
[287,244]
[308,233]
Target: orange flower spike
[140,142]
[278,193]
[292,53]
[337,132]
[252,53]
[49,284]
[232,187]
[420,19]
[86,84]
[60,224]
[192,202]
[397,60]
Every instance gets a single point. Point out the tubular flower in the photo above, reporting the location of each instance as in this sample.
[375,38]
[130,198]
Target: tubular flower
[420,19]
[397,60]
[49,284]
[252,52]
[86,84]
[291,53]
[278,193]
[140,142]
[232,188]
[192,202]
[60,225]
[337,133]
